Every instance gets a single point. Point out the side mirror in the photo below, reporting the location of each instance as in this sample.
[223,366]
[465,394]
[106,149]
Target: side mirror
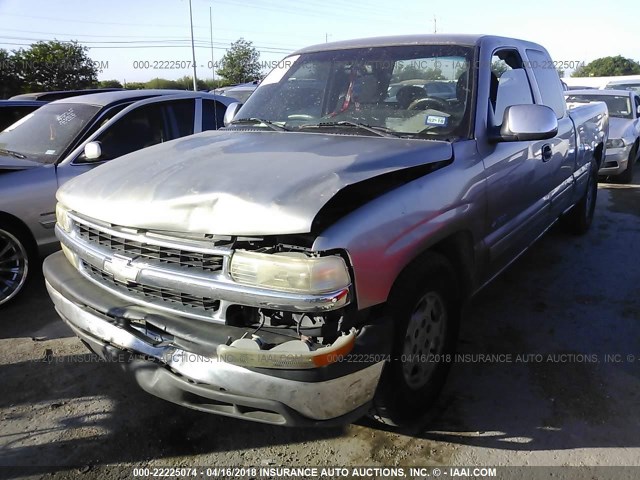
[638,110]
[230,113]
[92,151]
[527,122]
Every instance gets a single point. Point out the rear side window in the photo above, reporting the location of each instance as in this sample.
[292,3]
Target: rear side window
[548,81]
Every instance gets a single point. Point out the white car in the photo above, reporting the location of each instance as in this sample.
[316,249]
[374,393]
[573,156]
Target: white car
[624,128]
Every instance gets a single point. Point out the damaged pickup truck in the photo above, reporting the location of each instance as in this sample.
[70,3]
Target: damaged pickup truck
[308,264]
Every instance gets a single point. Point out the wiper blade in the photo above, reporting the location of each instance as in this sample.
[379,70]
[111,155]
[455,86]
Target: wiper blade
[378,130]
[12,153]
[255,121]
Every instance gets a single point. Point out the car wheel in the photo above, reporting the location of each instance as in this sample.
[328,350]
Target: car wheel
[15,256]
[580,217]
[425,307]
[627,175]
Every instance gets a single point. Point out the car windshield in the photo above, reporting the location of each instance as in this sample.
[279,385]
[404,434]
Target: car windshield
[412,91]
[618,106]
[43,135]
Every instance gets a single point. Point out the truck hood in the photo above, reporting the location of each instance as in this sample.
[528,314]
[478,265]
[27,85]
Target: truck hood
[10,164]
[238,182]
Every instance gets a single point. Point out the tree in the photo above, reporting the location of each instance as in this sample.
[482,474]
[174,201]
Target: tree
[241,63]
[608,67]
[55,65]
[10,84]
[186,83]
[499,67]
[135,85]
[162,83]
[110,84]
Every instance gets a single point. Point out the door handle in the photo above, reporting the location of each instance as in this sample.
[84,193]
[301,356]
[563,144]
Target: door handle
[546,152]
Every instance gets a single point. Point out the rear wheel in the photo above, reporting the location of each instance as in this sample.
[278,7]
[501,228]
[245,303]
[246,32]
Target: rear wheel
[15,256]
[627,175]
[425,307]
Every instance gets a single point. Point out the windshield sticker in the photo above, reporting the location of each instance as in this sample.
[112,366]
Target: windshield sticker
[66,117]
[436,120]
[50,152]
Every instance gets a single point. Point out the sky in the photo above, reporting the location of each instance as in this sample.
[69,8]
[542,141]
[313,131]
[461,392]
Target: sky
[137,40]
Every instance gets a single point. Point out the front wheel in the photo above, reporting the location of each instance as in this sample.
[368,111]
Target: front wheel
[14,264]
[425,307]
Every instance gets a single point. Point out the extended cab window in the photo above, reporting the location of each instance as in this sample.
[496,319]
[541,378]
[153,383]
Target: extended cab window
[140,128]
[509,83]
[548,81]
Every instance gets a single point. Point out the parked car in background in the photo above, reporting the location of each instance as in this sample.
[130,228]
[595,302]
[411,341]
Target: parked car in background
[308,264]
[59,94]
[633,85]
[624,129]
[239,92]
[68,137]
[13,110]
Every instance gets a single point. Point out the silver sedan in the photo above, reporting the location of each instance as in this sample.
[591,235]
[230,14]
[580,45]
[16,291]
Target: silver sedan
[68,137]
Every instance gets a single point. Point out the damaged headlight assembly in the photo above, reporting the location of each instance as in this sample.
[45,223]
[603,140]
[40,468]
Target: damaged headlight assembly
[290,272]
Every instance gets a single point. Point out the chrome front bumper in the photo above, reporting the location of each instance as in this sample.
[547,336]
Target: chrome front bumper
[205,382]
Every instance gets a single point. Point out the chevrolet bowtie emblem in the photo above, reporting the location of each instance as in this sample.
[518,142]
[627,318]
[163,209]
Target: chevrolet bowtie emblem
[121,269]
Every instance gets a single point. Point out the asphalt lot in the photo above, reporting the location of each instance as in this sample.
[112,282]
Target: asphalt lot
[576,299]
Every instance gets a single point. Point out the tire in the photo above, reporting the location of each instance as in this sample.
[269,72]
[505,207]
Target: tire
[425,307]
[16,261]
[579,219]
[627,175]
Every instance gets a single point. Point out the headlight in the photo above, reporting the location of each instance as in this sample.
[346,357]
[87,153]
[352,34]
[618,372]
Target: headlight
[615,143]
[62,217]
[290,272]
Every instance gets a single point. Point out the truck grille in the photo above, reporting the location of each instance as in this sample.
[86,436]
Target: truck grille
[165,297]
[152,253]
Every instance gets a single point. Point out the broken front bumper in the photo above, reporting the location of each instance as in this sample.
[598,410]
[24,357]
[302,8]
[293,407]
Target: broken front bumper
[179,362]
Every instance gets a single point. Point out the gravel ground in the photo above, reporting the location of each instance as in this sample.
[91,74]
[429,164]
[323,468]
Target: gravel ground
[63,413]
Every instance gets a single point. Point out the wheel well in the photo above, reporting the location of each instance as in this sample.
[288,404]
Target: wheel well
[458,250]
[20,228]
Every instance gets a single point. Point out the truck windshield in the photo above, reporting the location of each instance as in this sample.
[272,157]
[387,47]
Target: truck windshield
[417,91]
[43,135]
[619,106]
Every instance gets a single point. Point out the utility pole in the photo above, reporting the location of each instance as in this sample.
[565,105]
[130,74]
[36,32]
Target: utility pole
[326,38]
[435,24]
[193,51]
[213,67]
